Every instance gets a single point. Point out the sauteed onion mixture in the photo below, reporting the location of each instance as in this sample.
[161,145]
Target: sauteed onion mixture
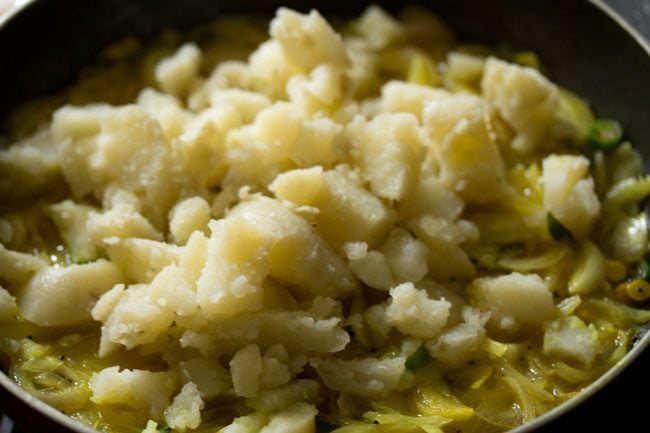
[368,229]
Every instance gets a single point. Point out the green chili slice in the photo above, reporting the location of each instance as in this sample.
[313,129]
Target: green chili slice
[418,359]
[557,229]
[604,134]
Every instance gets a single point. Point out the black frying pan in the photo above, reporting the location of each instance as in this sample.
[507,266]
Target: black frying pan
[584,46]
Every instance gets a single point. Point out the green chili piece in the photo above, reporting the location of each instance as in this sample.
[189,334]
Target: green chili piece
[604,134]
[418,359]
[557,229]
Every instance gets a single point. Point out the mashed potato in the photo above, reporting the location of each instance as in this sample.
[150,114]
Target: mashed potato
[345,229]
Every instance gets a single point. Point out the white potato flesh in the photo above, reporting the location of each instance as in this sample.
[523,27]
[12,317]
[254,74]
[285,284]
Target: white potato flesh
[176,73]
[187,216]
[470,161]
[167,110]
[407,256]
[569,193]
[185,411]
[136,319]
[210,376]
[142,259]
[526,299]
[17,267]
[373,270]
[135,388]
[447,259]
[65,295]
[122,146]
[403,97]
[414,313]
[378,28]
[297,331]
[388,150]
[431,196]
[347,211]
[571,339]
[299,418]
[71,221]
[307,40]
[263,237]
[524,98]
[246,368]
[365,377]
[298,391]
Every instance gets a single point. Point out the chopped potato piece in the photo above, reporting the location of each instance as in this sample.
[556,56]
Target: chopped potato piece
[188,216]
[308,40]
[176,73]
[57,296]
[363,377]
[347,212]
[136,388]
[142,259]
[387,149]
[569,192]
[524,98]
[414,313]
[18,267]
[464,145]
[514,299]
[185,411]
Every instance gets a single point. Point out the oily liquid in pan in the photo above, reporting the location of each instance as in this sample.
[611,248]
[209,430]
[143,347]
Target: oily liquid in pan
[371,232]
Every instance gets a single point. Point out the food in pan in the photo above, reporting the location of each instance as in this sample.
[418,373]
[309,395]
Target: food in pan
[373,228]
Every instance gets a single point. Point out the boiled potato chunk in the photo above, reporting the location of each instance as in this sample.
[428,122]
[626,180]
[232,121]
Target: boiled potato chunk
[347,211]
[299,418]
[387,149]
[135,388]
[524,98]
[71,221]
[364,377]
[569,193]
[400,97]
[65,295]
[29,168]
[121,146]
[185,411]
[263,237]
[514,300]
[17,267]
[470,162]
[188,216]
[176,73]
[414,313]
[246,368]
[307,40]
[407,256]
[141,259]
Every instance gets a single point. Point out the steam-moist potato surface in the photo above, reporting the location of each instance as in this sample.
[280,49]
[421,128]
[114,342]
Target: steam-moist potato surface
[364,229]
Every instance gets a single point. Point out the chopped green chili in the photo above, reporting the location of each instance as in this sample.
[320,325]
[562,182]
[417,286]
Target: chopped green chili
[418,359]
[604,134]
[556,228]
